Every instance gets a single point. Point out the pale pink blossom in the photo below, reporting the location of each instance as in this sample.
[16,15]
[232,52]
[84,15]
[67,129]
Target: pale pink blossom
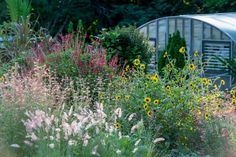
[131,116]
[86,137]
[28,143]
[158,140]
[15,146]
[137,142]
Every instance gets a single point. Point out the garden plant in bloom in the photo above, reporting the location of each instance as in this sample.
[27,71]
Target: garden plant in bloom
[73,101]
[176,106]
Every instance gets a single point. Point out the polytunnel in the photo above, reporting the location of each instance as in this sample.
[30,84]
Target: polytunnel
[209,34]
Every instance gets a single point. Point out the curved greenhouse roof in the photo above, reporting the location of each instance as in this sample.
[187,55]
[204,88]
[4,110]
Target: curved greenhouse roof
[226,22]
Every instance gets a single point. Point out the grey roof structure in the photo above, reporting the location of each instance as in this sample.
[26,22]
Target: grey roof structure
[225,22]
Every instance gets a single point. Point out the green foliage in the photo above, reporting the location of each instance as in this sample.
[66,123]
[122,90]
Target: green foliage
[170,111]
[127,43]
[172,52]
[18,9]
[230,63]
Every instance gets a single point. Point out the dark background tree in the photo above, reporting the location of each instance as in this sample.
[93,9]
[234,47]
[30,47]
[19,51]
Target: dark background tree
[55,15]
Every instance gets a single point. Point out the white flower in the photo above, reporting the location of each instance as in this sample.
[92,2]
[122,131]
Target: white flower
[57,129]
[94,151]
[137,142]
[15,146]
[134,128]
[33,137]
[28,143]
[51,138]
[131,116]
[71,142]
[51,145]
[118,112]
[135,149]
[118,151]
[70,111]
[120,135]
[57,137]
[103,142]
[158,140]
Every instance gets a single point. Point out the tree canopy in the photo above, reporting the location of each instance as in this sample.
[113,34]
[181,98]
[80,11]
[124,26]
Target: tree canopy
[55,15]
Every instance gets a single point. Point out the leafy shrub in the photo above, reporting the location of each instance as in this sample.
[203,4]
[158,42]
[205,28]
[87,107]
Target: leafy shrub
[176,49]
[171,106]
[127,43]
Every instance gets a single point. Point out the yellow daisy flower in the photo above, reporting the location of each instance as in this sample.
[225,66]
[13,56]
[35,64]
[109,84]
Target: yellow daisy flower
[182,50]
[234,101]
[204,81]
[127,68]
[232,92]
[154,79]
[165,54]
[136,62]
[191,67]
[117,125]
[147,99]
[195,54]
[149,113]
[145,106]
[209,81]
[206,116]
[142,66]
[168,88]
[148,76]
[222,82]
[156,76]
[126,97]
[118,98]
[156,102]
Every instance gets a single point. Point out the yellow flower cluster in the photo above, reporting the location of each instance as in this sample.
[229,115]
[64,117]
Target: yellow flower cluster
[205,81]
[147,100]
[155,78]
[118,97]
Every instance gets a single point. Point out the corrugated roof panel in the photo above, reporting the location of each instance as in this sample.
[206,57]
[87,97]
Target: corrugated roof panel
[225,22]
